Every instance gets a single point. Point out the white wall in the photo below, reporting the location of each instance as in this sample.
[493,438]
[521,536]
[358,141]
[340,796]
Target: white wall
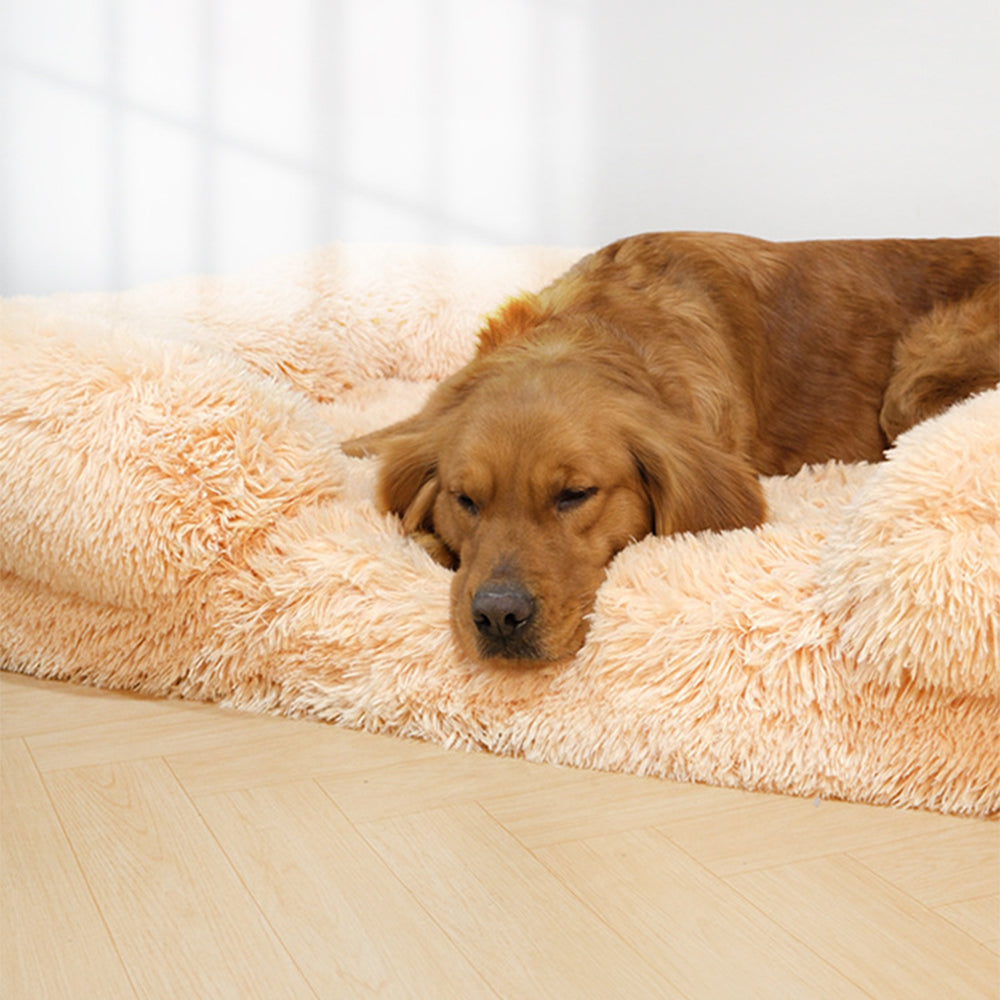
[149,138]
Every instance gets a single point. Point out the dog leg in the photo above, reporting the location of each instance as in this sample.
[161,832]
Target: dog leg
[950,353]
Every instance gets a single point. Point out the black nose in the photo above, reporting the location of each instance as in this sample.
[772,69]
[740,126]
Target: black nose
[500,609]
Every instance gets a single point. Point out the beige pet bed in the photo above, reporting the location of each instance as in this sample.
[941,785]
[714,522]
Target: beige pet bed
[176,519]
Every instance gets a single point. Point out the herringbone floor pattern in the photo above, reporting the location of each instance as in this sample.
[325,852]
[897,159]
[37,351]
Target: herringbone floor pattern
[171,850]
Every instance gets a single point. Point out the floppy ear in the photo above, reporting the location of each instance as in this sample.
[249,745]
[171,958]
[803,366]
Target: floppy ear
[374,444]
[408,454]
[408,483]
[407,475]
[692,484]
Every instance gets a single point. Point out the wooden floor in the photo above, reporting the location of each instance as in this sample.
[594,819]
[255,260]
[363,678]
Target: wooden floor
[175,850]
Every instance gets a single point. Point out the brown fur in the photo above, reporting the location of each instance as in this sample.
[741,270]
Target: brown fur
[648,387]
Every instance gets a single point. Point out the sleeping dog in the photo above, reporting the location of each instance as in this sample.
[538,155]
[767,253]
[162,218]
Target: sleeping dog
[646,390]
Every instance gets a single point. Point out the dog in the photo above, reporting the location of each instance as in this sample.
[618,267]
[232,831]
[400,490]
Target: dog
[647,389]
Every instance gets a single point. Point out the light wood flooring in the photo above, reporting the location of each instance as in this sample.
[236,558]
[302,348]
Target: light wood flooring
[181,851]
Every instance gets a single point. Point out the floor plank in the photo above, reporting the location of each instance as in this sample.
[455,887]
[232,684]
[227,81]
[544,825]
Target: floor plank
[292,750]
[53,941]
[183,922]
[524,930]
[979,918]
[417,785]
[351,926]
[769,830]
[951,866]
[601,804]
[874,934]
[67,706]
[176,727]
[677,914]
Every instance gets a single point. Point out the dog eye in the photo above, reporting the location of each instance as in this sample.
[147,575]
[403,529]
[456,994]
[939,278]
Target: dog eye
[570,499]
[467,504]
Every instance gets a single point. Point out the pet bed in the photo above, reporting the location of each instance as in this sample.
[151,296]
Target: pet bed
[176,519]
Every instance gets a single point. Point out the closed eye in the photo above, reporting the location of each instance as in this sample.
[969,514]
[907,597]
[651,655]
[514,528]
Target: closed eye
[571,498]
[467,504]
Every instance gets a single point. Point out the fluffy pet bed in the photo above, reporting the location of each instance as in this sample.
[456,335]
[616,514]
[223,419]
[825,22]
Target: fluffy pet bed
[176,519]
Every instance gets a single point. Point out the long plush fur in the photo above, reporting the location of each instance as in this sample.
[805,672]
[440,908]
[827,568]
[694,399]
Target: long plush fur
[176,518]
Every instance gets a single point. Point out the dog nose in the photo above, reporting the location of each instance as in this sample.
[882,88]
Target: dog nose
[499,610]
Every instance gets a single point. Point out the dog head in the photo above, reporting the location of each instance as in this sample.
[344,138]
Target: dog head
[529,469]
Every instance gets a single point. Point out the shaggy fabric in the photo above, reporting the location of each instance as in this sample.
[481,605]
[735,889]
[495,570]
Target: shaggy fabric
[176,519]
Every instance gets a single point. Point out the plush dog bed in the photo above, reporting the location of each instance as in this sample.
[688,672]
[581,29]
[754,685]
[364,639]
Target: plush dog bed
[176,518]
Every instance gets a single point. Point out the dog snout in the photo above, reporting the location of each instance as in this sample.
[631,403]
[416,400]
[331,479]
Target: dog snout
[501,611]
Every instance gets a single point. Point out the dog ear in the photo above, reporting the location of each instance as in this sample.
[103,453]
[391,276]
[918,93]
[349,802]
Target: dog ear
[407,480]
[408,484]
[374,444]
[693,485]
[512,320]
[408,452]
[407,474]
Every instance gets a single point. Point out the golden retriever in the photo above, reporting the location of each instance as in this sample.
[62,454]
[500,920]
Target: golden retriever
[647,388]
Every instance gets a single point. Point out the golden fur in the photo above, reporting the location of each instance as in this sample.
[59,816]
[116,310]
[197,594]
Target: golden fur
[647,388]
